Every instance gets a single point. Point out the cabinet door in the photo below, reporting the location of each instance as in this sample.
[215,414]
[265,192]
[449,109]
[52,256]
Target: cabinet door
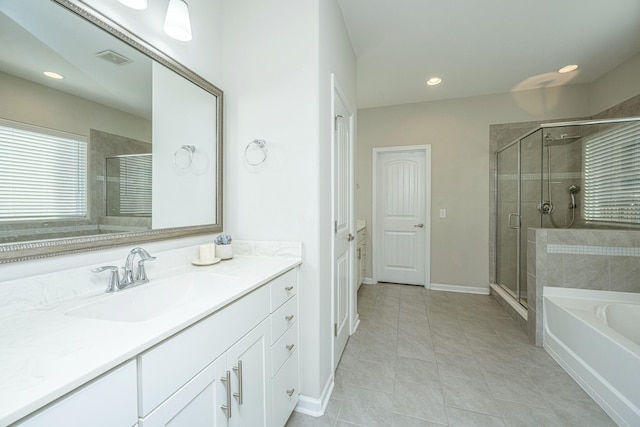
[250,361]
[110,400]
[198,403]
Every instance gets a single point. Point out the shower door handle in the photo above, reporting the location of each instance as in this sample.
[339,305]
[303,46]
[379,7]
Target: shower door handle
[511,215]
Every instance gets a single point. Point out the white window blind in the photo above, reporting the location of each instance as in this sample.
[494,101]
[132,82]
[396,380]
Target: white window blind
[612,175]
[135,185]
[43,174]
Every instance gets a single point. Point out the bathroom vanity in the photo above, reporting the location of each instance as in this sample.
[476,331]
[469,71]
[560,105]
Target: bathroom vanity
[224,351]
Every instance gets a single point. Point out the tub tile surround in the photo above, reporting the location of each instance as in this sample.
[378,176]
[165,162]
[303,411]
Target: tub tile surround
[607,260]
[46,354]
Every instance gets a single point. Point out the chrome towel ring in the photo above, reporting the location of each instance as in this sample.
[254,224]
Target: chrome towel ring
[255,153]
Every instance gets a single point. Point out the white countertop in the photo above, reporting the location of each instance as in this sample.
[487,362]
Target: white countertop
[45,353]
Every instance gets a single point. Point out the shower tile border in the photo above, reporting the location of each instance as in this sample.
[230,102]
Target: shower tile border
[593,250]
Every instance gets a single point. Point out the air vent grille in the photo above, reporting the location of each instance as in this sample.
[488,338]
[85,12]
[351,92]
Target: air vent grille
[113,57]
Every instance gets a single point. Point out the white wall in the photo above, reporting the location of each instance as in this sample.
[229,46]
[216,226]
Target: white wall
[458,131]
[616,86]
[183,194]
[277,88]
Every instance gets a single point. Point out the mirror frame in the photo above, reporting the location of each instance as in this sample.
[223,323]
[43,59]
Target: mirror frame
[36,249]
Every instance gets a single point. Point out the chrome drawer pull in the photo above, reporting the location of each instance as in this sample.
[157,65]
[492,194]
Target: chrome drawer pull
[238,370]
[290,391]
[289,317]
[288,288]
[227,381]
[290,347]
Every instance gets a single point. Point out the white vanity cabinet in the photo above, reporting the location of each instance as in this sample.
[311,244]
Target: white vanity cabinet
[235,368]
[361,255]
[107,401]
[284,346]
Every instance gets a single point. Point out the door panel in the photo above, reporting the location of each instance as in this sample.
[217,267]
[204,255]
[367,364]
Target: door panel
[401,217]
[508,208]
[343,220]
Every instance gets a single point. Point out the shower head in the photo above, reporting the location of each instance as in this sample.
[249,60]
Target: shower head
[562,140]
[574,189]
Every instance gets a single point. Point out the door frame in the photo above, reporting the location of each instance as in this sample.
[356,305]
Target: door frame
[426,148]
[336,89]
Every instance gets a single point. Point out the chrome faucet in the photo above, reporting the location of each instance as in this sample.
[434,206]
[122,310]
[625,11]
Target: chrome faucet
[116,283]
[141,276]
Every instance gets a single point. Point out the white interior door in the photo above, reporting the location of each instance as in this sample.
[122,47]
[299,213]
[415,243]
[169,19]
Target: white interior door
[343,241]
[401,219]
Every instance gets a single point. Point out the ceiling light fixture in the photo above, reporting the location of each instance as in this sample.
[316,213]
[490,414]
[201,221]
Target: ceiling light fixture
[568,69]
[434,81]
[135,4]
[177,23]
[53,75]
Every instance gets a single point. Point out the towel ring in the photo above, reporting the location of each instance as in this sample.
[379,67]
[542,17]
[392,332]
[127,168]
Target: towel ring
[183,157]
[256,144]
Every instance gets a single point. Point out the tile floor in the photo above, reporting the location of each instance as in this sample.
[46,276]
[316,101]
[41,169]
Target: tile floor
[427,358]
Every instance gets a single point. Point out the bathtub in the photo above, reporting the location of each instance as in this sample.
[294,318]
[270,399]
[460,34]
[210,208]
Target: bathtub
[595,337]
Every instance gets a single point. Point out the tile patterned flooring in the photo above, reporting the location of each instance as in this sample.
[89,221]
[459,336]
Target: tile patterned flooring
[428,358]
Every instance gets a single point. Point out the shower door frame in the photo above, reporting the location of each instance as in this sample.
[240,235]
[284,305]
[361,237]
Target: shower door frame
[518,214]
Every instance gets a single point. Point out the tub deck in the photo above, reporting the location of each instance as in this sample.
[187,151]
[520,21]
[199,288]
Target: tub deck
[593,336]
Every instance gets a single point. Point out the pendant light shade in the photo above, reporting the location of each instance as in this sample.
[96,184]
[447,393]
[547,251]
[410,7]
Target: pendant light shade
[177,23]
[135,4]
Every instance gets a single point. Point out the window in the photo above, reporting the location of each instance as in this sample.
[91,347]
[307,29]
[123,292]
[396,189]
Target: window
[612,175]
[129,185]
[42,173]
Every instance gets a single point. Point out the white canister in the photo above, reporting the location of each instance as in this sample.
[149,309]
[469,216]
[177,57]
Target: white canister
[224,251]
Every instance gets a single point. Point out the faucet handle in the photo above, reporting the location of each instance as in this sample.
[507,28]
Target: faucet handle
[142,273]
[114,279]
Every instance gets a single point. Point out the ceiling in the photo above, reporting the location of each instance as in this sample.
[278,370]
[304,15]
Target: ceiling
[484,47]
[37,36]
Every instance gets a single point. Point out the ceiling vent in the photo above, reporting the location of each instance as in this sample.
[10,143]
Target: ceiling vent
[113,57]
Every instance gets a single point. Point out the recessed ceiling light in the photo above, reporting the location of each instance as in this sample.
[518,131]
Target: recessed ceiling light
[53,75]
[135,4]
[434,81]
[568,69]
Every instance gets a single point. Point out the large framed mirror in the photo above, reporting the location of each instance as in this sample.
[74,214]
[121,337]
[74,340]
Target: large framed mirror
[119,144]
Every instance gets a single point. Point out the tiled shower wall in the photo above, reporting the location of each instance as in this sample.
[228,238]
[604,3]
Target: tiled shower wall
[579,258]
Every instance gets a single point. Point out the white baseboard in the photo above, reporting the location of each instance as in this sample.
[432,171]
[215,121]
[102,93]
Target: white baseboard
[459,288]
[368,281]
[313,406]
[356,323]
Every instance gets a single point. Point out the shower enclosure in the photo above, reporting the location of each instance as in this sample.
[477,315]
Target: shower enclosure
[582,174]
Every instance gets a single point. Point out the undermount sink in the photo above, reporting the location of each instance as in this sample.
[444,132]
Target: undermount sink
[152,299]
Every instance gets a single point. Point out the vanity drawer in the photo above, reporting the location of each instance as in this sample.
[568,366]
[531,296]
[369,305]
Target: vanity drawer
[284,383]
[283,318]
[168,366]
[283,287]
[280,351]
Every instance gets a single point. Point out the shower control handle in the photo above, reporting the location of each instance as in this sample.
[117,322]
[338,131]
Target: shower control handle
[511,215]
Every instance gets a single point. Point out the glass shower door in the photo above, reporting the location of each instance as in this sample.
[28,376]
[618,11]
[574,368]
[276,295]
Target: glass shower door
[508,219]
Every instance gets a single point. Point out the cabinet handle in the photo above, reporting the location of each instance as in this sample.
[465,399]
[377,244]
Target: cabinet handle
[227,381]
[238,370]
[289,317]
[288,288]
[290,346]
[359,254]
[291,391]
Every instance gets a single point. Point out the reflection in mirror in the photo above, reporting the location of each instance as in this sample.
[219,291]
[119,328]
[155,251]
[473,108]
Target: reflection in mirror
[90,153]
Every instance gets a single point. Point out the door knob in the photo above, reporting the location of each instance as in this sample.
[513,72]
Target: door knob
[419,225]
